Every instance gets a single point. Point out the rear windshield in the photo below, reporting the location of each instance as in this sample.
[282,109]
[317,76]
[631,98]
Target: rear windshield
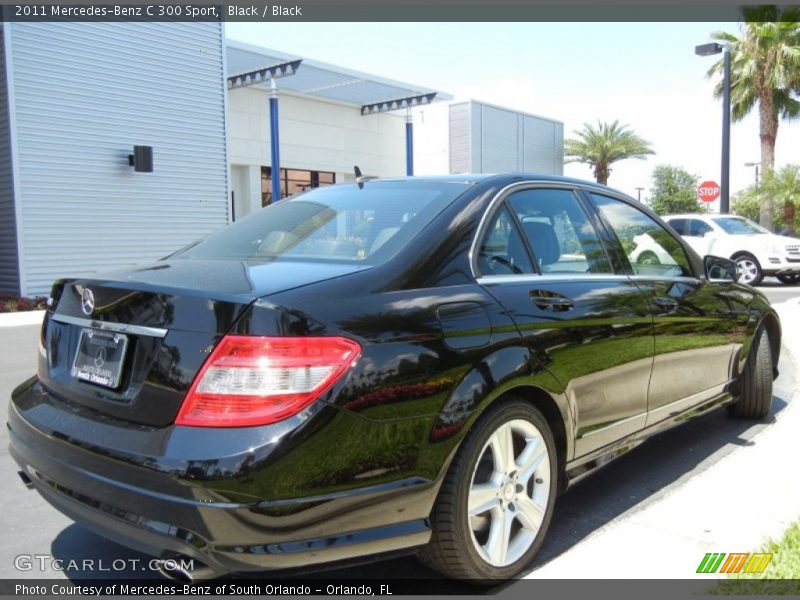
[340,223]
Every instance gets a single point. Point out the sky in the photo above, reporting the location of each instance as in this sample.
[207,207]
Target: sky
[644,74]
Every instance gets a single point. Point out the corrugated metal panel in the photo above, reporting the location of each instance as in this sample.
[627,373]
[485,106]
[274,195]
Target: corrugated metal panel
[499,140]
[459,123]
[9,264]
[558,148]
[85,94]
[539,147]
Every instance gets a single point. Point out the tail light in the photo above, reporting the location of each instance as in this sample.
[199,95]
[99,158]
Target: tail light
[259,380]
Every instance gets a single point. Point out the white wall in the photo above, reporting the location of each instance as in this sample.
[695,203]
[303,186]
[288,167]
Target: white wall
[314,135]
[431,150]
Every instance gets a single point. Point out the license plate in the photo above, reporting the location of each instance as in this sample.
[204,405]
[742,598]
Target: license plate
[99,357]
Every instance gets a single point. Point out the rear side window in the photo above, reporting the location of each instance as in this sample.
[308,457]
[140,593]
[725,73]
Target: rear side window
[342,223]
[559,232]
[650,248]
[678,225]
[697,228]
[502,251]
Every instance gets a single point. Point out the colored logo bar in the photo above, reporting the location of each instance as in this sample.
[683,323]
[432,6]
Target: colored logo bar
[741,562]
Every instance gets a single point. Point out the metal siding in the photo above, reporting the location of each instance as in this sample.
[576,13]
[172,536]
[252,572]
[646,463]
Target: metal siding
[460,160]
[9,263]
[499,140]
[85,94]
[539,149]
[558,148]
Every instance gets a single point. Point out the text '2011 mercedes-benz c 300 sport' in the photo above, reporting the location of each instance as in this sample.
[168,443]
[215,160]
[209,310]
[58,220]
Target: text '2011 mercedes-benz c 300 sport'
[418,364]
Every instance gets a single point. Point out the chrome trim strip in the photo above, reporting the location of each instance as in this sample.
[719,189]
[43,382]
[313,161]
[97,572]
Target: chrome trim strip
[612,425]
[109,326]
[549,278]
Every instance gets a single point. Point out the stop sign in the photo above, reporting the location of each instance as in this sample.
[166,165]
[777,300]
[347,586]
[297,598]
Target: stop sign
[708,191]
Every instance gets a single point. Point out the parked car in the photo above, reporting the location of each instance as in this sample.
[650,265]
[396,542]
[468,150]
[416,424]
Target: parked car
[756,251]
[403,365]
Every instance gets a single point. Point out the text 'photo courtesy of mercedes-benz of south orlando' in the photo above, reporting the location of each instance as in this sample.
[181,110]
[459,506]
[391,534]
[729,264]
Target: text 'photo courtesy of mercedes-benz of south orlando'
[356,299]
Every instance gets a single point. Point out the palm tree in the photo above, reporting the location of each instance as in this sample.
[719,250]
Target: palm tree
[603,145]
[765,70]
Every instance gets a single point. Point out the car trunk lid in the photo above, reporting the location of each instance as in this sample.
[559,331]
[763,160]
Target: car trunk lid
[128,344]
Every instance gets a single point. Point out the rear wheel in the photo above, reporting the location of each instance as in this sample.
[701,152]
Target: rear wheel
[755,383]
[748,269]
[790,279]
[496,502]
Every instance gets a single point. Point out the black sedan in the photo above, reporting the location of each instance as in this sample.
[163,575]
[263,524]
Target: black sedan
[417,364]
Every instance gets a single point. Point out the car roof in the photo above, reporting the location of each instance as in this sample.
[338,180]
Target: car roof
[509,178]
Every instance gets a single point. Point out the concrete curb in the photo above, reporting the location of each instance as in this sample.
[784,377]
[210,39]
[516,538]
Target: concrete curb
[18,319]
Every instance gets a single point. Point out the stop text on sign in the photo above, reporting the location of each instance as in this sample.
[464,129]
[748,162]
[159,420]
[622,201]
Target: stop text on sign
[708,191]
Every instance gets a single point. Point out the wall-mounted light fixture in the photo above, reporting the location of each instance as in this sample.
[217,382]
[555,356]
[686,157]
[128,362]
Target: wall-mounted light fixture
[142,159]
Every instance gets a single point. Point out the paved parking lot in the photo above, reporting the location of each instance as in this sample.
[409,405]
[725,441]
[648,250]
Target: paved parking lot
[588,516]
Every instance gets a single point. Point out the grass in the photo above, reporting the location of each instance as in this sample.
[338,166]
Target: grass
[780,578]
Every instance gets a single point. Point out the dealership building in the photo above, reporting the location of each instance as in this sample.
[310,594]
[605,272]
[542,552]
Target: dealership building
[122,142]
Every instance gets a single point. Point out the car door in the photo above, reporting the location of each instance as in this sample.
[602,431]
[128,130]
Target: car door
[696,323]
[541,257]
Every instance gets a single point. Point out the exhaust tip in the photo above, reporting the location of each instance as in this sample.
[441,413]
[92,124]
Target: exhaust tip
[25,479]
[184,570]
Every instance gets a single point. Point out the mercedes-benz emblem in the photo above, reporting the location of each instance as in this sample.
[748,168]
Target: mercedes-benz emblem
[100,357]
[87,301]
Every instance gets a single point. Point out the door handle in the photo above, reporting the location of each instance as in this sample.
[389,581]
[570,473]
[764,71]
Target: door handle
[546,300]
[666,302]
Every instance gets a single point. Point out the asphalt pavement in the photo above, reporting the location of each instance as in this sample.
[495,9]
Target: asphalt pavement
[715,484]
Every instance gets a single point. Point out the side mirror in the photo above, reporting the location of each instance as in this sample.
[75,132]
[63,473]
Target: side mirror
[719,269]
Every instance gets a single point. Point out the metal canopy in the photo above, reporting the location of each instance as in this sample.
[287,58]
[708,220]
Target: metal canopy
[325,81]
[265,75]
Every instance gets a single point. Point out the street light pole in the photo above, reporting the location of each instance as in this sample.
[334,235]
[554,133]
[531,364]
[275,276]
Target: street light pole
[756,165]
[724,184]
[639,193]
[724,192]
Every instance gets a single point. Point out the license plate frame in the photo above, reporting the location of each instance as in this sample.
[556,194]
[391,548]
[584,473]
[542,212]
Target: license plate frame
[99,357]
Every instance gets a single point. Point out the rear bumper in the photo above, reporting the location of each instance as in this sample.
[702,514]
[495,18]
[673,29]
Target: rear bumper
[169,504]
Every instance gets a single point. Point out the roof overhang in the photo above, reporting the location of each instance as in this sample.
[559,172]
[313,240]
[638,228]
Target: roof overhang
[370,93]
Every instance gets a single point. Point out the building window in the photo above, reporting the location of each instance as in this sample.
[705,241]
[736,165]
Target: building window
[293,181]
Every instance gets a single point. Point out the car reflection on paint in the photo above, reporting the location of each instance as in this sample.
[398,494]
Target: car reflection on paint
[409,365]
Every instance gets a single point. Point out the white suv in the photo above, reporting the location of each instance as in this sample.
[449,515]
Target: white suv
[755,250]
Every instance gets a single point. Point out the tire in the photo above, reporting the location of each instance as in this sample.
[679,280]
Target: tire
[648,258]
[791,279]
[748,269]
[755,383]
[474,547]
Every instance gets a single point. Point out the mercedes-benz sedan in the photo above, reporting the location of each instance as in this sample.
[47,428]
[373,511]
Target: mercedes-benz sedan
[416,365]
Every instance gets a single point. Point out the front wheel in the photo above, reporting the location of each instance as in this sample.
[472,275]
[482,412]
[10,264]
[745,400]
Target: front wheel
[748,269]
[495,504]
[790,279]
[755,382]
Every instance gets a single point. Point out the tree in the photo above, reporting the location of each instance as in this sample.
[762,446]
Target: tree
[604,145]
[674,191]
[765,70]
[779,191]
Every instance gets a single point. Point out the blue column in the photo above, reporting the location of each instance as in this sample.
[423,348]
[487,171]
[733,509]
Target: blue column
[409,144]
[273,142]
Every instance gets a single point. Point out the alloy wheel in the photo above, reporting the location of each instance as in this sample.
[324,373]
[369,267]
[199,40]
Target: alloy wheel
[509,493]
[747,269]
